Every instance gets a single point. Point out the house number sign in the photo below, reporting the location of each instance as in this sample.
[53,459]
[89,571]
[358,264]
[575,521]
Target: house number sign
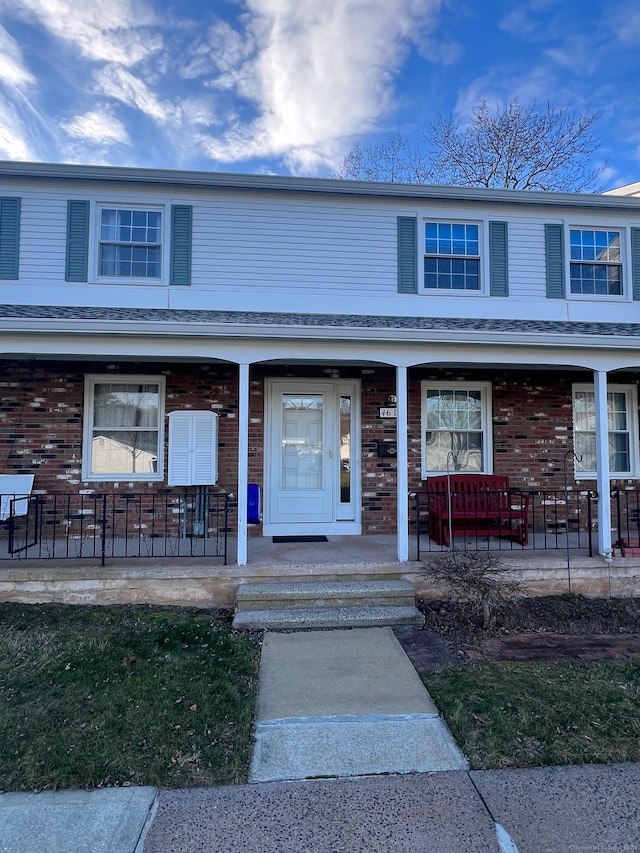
[388,412]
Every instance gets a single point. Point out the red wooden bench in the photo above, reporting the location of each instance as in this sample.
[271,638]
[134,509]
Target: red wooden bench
[479,504]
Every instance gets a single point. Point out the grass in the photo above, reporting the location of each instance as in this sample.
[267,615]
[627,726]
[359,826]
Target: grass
[524,714]
[106,696]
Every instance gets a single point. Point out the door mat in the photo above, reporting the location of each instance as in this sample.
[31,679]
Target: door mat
[279,539]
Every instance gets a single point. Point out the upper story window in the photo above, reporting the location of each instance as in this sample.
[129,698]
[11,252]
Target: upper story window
[123,428]
[622,416]
[130,243]
[595,262]
[452,256]
[456,428]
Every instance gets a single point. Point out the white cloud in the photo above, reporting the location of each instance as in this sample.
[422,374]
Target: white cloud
[319,73]
[103,30]
[98,126]
[118,83]
[14,134]
[12,68]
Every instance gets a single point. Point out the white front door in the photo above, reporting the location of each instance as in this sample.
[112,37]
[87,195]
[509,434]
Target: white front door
[311,462]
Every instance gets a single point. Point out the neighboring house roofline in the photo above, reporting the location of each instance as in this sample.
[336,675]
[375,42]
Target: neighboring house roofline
[322,186]
[626,190]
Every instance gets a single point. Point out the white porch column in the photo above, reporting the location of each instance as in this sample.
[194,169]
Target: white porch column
[243,460]
[602,463]
[402,465]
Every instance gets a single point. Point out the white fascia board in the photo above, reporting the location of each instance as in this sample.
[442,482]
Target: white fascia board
[212,331]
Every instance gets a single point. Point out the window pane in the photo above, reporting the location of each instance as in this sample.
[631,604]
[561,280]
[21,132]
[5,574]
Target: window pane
[124,452]
[584,421]
[130,243]
[345,450]
[584,414]
[617,411]
[302,442]
[454,451]
[585,447]
[119,405]
[602,276]
[619,452]
[454,424]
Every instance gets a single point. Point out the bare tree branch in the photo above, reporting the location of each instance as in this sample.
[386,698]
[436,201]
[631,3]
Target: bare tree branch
[512,147]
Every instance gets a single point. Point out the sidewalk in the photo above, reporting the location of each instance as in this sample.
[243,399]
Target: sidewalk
[582,809]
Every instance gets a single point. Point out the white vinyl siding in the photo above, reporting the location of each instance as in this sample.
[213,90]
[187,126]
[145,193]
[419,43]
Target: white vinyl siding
[298,253]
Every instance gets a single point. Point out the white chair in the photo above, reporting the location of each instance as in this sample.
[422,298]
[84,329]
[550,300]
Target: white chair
[15,491]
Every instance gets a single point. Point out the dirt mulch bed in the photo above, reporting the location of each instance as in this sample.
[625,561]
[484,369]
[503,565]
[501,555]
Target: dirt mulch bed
[550,628]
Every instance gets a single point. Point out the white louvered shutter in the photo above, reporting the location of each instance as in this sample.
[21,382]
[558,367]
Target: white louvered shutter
[193,448]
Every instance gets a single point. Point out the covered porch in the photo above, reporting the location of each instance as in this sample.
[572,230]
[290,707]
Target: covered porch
[251,373]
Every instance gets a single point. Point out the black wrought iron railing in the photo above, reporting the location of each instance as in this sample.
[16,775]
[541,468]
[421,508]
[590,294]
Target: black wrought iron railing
[517,520]
[626,514]
[192,523]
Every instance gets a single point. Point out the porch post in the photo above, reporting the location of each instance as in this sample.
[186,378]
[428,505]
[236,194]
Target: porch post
[243,460]
[402,465]
[602,462]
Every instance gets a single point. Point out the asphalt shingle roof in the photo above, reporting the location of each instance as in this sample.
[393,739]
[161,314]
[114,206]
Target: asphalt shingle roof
[354,321]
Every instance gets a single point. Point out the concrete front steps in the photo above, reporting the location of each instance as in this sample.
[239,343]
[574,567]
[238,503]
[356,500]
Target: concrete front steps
[326,604]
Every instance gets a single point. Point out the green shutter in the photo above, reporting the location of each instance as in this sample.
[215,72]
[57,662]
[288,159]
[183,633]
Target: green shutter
[77,241]
[407,254]
[9,238]
[635,262]
[498,259]
[181,216]
[554,256]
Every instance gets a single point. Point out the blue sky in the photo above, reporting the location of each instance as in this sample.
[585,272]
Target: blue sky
[289,86]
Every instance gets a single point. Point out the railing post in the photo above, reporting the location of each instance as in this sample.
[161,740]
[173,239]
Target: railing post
[416,498]
[226,525]
[103,544]
[616,495]
[590,495]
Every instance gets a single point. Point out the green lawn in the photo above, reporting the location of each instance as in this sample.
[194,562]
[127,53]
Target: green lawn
[524,714]
[98,696]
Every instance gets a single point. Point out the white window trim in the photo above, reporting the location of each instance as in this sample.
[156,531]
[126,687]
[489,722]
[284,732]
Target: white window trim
[625,261]
[631,393]
[162,207]
[487,423]
[456,218]
[90,380]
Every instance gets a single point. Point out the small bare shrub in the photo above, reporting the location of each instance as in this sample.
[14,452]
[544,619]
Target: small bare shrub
[480,577]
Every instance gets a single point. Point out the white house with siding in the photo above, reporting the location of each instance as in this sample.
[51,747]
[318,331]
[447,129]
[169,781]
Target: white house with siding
[329,342]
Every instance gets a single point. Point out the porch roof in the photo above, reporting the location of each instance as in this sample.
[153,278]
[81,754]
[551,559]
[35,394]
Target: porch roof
[31,318]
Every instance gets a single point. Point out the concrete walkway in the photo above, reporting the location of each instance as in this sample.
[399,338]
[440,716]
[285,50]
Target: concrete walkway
[344,703]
